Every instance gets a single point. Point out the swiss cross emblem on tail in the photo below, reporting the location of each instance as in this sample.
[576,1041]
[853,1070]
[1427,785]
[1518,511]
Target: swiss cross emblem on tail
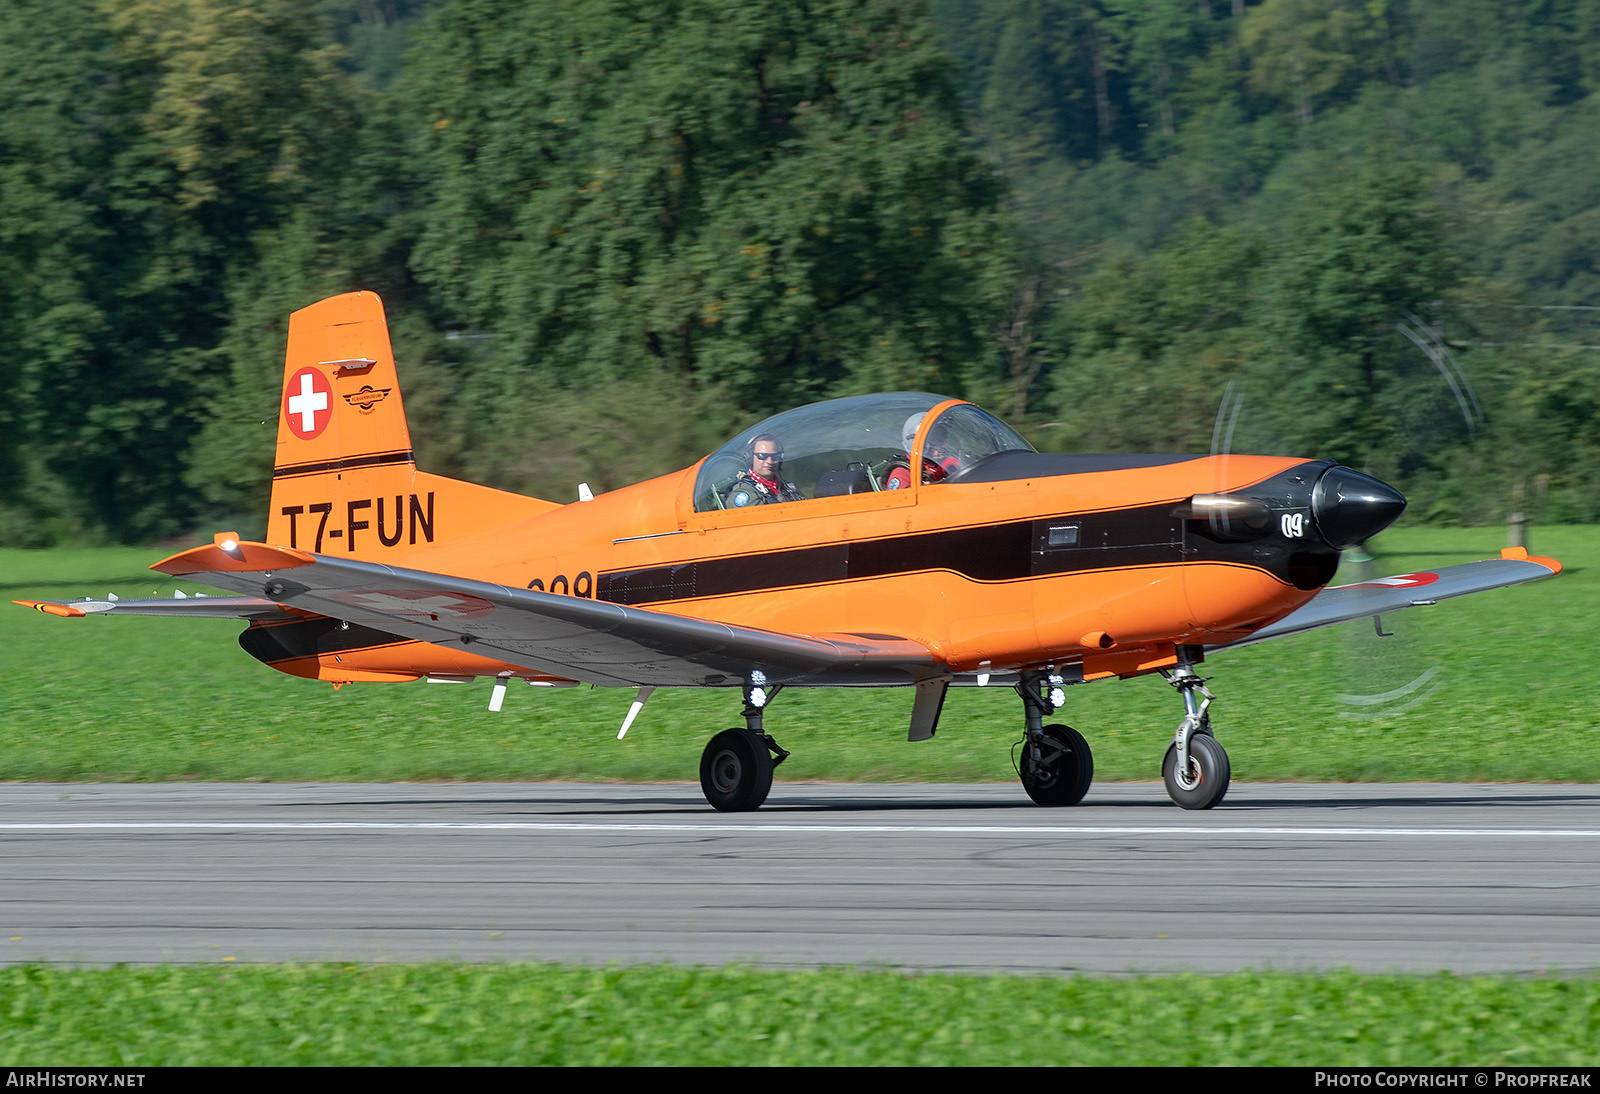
[307,403]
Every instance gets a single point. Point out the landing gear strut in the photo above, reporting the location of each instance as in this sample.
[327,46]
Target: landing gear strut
[1056,766]
[1195,768]
[736,767]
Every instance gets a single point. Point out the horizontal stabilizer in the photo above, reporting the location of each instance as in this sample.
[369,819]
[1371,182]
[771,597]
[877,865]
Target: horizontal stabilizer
[195,606]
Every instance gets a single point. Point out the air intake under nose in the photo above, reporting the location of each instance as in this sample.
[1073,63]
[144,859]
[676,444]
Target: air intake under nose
[1348,506]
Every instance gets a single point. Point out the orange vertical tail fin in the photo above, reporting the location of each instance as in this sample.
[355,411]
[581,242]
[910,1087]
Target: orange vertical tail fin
[345,481]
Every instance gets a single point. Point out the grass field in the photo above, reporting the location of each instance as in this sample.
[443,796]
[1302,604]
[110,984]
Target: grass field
[440,1014]
[154,699]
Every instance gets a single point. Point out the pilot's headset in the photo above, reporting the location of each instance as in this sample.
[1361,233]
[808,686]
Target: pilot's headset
[750,452]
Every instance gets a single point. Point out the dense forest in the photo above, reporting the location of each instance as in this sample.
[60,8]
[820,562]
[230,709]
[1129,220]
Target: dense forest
[609,233]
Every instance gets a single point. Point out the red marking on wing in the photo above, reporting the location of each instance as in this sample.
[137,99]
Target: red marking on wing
[1403,581]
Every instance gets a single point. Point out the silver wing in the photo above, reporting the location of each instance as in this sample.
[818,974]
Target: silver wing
[612,644]
[571,637]
[1366,599]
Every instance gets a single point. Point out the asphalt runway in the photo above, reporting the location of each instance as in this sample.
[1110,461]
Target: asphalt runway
[1473,879]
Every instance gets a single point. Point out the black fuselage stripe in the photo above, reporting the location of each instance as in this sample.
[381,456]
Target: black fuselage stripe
[1148,536]
[344,463]
[1156,534]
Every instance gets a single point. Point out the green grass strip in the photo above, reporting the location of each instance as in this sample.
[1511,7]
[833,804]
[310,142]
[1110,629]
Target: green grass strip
[436,1014]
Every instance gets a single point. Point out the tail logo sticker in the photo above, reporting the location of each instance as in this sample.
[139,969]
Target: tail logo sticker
[308,403]
[367,398]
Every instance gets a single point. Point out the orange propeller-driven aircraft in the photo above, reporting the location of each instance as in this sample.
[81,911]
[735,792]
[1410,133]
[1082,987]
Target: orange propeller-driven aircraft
[900,540]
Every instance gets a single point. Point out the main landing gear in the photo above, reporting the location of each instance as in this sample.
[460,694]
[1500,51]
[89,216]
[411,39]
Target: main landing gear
[1056,766]
[736,767]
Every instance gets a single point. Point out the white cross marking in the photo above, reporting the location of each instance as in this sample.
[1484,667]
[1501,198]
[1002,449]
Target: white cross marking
[307,403]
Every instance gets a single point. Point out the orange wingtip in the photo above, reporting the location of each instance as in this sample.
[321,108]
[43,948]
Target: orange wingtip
[243,558]
[65,611]
[1522,555]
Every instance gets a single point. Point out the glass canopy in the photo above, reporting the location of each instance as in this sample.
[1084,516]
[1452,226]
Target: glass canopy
[854,445]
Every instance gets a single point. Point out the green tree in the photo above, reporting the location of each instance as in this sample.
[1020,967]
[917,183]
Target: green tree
[764,200]
[1151,341]
[1164,40]
[176,137]
[53,151]
[1303,52]
[1358,251]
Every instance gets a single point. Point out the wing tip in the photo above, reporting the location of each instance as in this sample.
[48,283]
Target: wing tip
[1521,554]
[50,607]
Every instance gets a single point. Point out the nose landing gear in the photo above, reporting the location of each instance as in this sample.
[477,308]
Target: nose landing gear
[1195,768]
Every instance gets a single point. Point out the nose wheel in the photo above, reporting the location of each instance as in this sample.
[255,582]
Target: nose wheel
[1195,768]
[1204,782]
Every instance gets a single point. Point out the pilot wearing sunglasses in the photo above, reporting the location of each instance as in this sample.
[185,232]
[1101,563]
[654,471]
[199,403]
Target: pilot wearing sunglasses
[760,483]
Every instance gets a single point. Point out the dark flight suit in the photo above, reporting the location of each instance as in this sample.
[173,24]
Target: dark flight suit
[747,490]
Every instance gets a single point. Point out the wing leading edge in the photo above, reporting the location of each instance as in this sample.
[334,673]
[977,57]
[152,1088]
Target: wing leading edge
[572,637]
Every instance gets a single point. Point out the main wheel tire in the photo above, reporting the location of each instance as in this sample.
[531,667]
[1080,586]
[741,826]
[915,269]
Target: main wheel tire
[1206,782]
[1064,774]
[736,771]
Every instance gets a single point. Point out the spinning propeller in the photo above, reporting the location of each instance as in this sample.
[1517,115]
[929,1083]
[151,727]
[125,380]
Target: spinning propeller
[1386,667]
